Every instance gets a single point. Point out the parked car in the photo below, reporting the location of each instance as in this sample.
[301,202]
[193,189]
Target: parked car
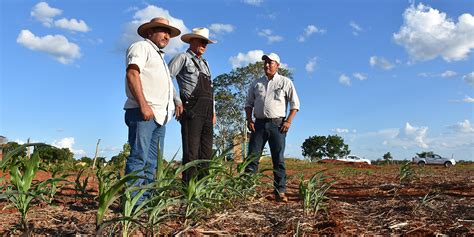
[354,158]
[433,159]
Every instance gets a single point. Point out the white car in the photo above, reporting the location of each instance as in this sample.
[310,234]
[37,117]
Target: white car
[433,159]
[354,158]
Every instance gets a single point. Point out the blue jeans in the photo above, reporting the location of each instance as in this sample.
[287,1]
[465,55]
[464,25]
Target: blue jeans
[146,139]
[269,131]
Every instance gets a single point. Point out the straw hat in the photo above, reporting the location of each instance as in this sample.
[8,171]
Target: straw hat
[272,56]
[157,22]
[201,33]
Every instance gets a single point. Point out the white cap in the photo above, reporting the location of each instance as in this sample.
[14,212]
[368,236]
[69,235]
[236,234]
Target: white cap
[272,56]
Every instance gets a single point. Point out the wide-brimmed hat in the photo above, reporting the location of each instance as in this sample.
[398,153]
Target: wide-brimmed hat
[201,33]
[157,22]
[272,56]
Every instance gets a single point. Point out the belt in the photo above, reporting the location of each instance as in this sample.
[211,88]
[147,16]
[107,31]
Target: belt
[266,120]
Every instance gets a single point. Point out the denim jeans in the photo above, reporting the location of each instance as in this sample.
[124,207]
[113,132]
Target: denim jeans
[146,138]
[269,131]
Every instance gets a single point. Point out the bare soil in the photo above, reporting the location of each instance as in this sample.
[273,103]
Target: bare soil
[365,200]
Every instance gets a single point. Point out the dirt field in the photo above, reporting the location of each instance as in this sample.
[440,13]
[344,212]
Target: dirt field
[365,199]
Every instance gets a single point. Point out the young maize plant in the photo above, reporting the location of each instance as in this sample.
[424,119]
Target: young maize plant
[313,193]
[406,173]
[54,184]
[22,190]
[81,186]
[109,188]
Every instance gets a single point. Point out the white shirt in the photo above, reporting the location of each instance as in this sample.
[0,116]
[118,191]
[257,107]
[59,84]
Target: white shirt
[270,98]
[155,79]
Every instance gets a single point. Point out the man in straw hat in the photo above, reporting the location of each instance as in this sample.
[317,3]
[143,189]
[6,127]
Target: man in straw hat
[268,97]
[149,91]
[195,86]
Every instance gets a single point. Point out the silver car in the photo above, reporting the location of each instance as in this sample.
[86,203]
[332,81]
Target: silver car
[433,159]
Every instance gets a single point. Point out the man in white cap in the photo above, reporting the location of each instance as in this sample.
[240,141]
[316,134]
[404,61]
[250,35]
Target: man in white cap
[149,91]
[196,95]
[268,98]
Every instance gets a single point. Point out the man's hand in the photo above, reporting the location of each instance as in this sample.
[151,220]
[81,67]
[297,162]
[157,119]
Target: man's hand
[251,125]
[178,111]
[147,112]
[285,126]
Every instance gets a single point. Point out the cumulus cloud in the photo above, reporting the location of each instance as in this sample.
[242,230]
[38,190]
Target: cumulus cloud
[359,75]
[380,62]
[411,134]
[253,2]
[448,74]
[428,33]
[44,13]
[356,29]
[311,65]
[145,15]
[463,127]
[267,33]
[56,46]
[68,142]
[72,24]
[243,59]
[468,99]
[345,80]
[341,130]
[308,31]
[220,29]
[469,78]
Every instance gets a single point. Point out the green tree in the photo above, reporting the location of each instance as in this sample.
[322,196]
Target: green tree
[10,146]
[51,154]
[387,157]
[335,146]
[230,91]
[119,160]
[86,160]
[316,147]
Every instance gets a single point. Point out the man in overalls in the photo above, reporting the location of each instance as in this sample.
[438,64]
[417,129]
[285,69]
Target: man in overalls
[192,72]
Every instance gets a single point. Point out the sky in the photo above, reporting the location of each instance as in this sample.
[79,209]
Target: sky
[387,76]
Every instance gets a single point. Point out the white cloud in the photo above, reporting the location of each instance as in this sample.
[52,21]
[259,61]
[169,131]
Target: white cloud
[44,13]
[68,142]
[241,59]
[380,62]
[427,33]
[359,75]
[56,46]
[469,78]
[220,29]
[308,31]
[267,33]
[356,29]
[463,127]
[340,130]
[448,74]
[145,15]
[410,134]
[73,24]
[311,65]
[468,99]
[345,80]
[253,2]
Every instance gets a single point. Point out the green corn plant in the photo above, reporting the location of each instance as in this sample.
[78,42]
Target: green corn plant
[157,209]
[109,187]
[23,191]
[53,185]
[313,192]
[406,173]
[81,186]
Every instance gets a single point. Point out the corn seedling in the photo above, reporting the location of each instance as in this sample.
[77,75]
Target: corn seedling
[406,173]
[109,188]
[313,192]
[52,187]
[426,200]
[81,186]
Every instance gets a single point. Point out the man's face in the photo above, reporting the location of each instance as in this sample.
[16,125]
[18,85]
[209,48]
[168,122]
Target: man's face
[270,67]
[160,36]
[198,46]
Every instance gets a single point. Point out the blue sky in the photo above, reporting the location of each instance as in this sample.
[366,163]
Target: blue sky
[393,76]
